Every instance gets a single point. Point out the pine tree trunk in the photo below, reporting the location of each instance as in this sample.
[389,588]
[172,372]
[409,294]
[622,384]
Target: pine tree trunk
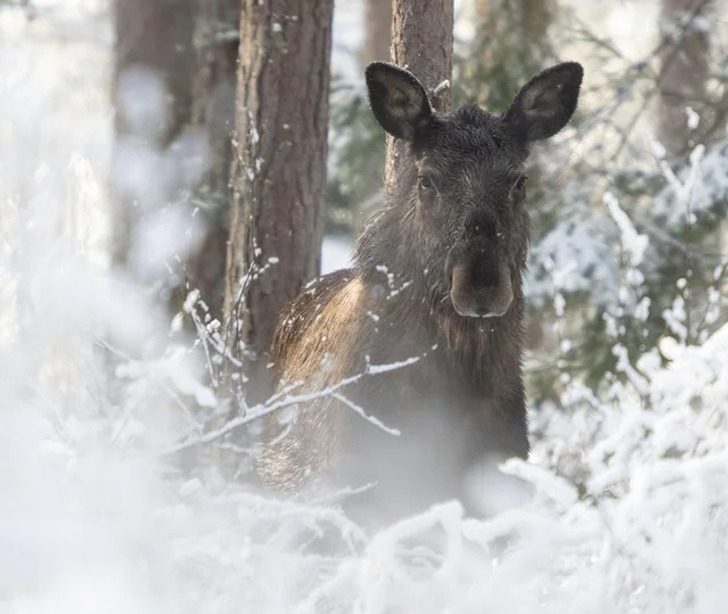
[377,31]
[684,69]
[279,170]
[216,43]
[422,40]
[153,42]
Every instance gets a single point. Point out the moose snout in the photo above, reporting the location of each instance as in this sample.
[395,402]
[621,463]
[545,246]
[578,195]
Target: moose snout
[477,297]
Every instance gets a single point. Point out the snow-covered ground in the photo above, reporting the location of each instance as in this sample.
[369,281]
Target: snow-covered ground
[622,507]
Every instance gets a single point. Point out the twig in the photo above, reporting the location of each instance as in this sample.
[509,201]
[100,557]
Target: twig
[263,409]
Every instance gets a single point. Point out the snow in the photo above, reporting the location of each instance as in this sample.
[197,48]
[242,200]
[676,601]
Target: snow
[335,254]
[574,257]
[622,506]
[700,191]
[633,243]
[692,118]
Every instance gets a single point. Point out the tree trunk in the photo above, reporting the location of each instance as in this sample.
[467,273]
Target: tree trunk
[377,31]
[151,97]
[684,69]
[279,171]
[422,40]
[216,43]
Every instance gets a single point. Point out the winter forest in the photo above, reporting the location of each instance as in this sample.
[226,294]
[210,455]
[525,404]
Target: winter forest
[455,418]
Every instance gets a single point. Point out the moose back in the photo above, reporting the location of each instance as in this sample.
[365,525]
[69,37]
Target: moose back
[417,349]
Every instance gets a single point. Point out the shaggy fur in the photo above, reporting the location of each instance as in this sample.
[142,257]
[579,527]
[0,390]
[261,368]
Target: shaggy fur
[463,399]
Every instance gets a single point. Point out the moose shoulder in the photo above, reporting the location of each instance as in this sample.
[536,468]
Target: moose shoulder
[437,287]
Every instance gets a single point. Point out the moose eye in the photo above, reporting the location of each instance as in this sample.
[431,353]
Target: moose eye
[425,183]
[427,190]
[518,189]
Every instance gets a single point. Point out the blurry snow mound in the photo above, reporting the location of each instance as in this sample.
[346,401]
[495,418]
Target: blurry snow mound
[652,476]
[629,511]
[629,514]
[628,508]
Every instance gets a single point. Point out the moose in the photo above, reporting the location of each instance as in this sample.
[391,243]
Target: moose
[435,291]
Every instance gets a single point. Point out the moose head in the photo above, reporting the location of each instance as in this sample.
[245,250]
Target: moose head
[465,197]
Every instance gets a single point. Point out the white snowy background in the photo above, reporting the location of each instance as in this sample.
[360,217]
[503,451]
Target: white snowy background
[622,506]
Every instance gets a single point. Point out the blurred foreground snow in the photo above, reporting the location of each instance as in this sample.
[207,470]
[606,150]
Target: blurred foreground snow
[629,510]
[628,503]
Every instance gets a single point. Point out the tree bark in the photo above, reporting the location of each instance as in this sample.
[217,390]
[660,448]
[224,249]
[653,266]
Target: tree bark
[422,41]
[153,39]
[279,174]
[684,69]
[377,31]
[216,42]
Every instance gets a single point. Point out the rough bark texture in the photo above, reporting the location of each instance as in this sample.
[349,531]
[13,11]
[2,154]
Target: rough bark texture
[279,169]
[684,70]
[377,31]
[216,42]
[154,36]
[422,39]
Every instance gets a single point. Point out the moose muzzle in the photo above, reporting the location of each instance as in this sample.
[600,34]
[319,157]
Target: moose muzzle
[476,296]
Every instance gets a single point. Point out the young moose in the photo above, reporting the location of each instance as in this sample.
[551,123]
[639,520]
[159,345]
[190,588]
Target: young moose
[437,285]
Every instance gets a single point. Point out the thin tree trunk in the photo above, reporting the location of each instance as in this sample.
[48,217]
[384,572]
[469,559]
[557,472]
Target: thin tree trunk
[153,50]
[422,40]
[377,31]
[684,70]
[279,170]
[216,44]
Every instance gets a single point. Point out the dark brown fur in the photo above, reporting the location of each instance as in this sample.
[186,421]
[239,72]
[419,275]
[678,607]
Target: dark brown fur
[463,398]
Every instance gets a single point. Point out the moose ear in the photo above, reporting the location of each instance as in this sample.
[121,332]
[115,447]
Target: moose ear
[398,100]
[546,102]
